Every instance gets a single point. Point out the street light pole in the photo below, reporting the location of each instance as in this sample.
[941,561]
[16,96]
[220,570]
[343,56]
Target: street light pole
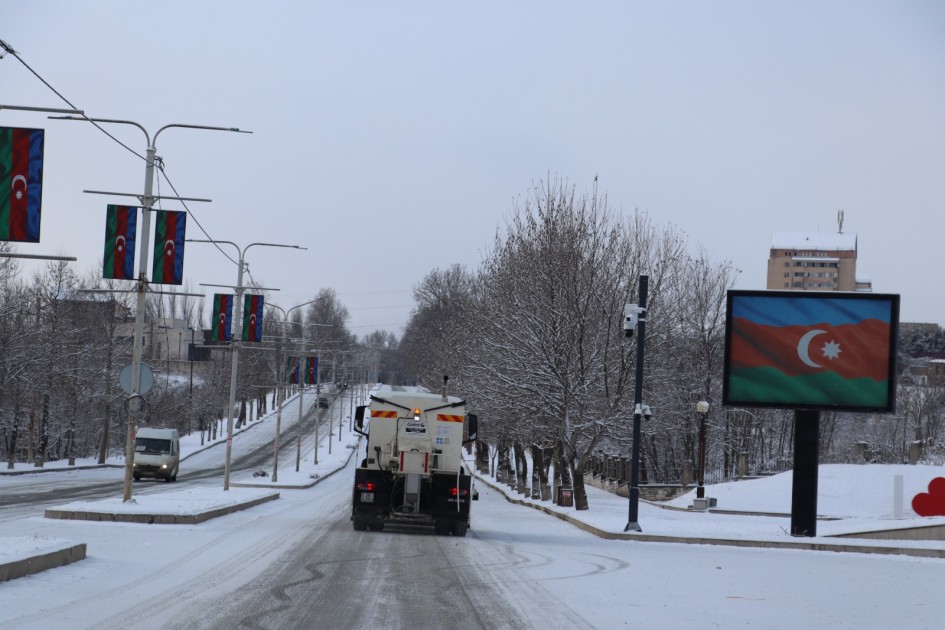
[147,201]
[702,408]
[633,516]
[236,332]
[280,381]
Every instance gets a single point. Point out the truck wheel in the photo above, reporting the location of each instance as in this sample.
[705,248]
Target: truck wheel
[459,528]
[137,477]
[359,525]
[441,527]
[376,527]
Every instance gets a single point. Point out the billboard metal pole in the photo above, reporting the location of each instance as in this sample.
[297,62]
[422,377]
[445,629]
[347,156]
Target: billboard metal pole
[804,485]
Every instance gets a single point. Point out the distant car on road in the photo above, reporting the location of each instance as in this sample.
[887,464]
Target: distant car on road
[323,402]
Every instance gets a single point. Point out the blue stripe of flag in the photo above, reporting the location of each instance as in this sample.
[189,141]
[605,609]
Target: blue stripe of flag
[807,311]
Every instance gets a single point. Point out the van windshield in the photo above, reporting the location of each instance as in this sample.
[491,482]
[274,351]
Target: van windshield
[152,446]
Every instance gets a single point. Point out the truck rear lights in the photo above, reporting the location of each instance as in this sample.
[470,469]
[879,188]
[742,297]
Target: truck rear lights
[366,486]
[458,492]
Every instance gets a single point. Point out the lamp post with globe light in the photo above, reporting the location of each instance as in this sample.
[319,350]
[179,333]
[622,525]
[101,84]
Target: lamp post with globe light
[702,408]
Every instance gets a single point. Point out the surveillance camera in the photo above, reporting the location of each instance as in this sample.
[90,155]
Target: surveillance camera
[631,316]
[647,412]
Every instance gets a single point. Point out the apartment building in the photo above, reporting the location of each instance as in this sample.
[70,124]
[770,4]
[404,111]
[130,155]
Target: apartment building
[814,261]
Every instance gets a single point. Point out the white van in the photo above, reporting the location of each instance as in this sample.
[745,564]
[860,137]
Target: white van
[157,454]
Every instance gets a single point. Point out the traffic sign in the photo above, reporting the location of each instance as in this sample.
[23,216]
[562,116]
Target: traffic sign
[145,380]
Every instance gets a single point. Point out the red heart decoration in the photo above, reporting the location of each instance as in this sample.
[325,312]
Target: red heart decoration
[931,503]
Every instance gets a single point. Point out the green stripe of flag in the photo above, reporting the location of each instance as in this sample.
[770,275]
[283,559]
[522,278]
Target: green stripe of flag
[826,388]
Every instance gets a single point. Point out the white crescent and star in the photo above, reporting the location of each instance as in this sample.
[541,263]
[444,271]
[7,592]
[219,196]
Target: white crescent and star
[18,193]
[120,243]
[169,247]
[803,347]
[831,349]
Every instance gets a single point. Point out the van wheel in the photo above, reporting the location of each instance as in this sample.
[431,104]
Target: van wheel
[459,528]
[137,477]
[359,525]
[441,527]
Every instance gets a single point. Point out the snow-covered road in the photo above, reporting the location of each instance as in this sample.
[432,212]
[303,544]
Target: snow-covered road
[298,563]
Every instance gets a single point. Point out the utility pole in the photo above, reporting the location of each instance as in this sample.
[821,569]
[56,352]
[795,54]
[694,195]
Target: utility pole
[280,390]
[237,322]
[640,316]
[135,401]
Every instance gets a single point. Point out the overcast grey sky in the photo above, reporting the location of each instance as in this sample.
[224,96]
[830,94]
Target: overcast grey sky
[392,138]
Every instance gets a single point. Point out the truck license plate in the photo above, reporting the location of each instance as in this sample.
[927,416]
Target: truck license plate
[367,497]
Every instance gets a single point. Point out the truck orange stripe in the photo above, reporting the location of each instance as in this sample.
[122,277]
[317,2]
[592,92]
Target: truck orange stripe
[442,417]
[376,413]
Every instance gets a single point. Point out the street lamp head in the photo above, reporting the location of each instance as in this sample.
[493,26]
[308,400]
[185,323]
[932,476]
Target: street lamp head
[702,407]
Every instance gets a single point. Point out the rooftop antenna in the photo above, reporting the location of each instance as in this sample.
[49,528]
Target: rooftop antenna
[840,221]
[445,381]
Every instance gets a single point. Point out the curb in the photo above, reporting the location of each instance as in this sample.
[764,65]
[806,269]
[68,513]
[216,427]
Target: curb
[160,519]
[35,564]
[35,471]
[725,542]
[305,485]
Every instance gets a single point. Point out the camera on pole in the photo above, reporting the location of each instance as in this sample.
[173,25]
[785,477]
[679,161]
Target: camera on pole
[631,316]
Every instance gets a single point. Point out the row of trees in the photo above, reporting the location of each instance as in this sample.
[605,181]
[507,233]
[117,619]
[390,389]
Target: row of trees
[534,340]
[62,348]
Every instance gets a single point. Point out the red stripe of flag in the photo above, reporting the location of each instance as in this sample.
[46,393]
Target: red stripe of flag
[121,249]
[849,350]
[168,245]
[19,173]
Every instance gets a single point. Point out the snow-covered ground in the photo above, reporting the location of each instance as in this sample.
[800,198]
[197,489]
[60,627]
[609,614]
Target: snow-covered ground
[670,584]
[861,495]
[190,500]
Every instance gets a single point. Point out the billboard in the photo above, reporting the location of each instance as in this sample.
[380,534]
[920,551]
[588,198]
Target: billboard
[811,350]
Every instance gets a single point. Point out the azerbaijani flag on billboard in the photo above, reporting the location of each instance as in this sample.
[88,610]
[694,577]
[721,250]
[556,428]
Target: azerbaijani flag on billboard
[811,350]
[121,224]
[222,312]
[311,373]
[21,183]
[252,318]
[169,228]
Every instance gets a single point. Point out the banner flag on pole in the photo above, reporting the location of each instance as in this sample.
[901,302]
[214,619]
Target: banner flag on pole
[253,318]
[311,373]
[293,370]
[222,312]
[169,229]
[121,225]
[21,183]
